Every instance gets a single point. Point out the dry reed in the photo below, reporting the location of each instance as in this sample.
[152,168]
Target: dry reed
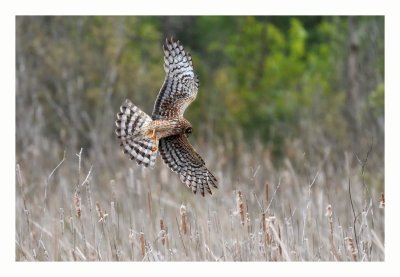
[146,223]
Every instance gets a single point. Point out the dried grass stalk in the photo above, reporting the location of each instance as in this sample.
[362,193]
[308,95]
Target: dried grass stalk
[77,203]
[163,232]
[329,214]
[240,206]
[101,214]
[142,243]
[183,219]
[351,248]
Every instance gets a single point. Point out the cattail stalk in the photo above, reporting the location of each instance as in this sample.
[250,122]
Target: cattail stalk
[248,220]
[62,221]
[351,248]
[382,201]
[183,219]
[329,214]
[89,196]
[77,203]
[142,243]
[240,206]
[163,232]
[265,232]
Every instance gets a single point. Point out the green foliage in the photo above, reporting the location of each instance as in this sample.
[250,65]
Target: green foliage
[376,100]
[261,77]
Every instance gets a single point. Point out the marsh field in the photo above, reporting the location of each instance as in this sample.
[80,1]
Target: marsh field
[289,118]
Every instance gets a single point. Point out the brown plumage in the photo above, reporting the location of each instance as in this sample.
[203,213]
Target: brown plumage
[167,130]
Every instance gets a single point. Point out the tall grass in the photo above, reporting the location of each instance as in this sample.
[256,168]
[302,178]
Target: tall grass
[74,206]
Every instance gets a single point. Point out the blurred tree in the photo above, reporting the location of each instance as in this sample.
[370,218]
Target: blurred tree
[261,78]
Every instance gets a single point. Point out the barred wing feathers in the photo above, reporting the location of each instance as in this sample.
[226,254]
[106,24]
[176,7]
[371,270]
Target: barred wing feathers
[180,85]
[180,156]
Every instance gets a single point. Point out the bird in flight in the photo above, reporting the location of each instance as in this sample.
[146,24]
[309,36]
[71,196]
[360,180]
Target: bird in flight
[166,131]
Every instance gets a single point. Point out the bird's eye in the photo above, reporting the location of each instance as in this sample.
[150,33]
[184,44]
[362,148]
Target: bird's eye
[188,130]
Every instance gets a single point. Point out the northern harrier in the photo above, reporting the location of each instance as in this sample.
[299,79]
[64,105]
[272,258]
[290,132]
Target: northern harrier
[166,131]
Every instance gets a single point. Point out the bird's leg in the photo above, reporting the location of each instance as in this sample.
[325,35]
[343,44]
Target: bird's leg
[152,136]
[153,133]
[155,147]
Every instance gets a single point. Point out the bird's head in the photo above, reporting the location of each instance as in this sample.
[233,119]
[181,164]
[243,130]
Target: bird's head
[188,131]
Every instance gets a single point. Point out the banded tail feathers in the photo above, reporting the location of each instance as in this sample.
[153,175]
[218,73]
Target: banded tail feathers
[131,130]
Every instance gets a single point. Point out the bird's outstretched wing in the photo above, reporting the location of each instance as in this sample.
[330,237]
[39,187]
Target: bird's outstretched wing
[180,156]
[180,85]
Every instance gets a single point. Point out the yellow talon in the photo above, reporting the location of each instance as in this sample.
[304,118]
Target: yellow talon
[154,137]
[153,134]
[155,147]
